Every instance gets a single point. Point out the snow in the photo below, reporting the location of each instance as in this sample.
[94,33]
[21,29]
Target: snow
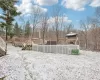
[45,66]
[31,65]
[11,66]
[71,34]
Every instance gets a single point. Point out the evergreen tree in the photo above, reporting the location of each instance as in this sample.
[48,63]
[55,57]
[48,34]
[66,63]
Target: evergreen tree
[9,12]
[17,30]
[2,28]
[27,29]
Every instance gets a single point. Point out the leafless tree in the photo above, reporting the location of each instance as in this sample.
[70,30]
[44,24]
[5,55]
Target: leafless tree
[57,24]
[95,32]
[84,25]
[44,26]
[97,13]
[90,32]
[35,18]
[67,29]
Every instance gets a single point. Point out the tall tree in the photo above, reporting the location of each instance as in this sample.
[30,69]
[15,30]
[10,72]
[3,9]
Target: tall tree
[56,16]
[35,18]
[85,26]
[9,12]
[44,25]
[27,29]
[97,13]
[17,29]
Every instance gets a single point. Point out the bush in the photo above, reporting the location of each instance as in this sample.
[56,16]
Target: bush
[75,52]
[27,47]
[2,78]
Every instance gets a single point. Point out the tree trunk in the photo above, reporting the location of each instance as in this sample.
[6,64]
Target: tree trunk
[57,36]
[6,40]
[43,36]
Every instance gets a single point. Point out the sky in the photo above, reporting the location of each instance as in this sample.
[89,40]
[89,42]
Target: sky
[73,10]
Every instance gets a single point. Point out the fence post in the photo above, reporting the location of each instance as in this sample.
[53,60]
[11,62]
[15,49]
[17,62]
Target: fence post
[37,48]
[50,48]
[44,48]
[56,48]
[62,49]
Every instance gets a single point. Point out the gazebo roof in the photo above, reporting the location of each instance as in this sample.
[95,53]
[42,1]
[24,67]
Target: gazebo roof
[71,34]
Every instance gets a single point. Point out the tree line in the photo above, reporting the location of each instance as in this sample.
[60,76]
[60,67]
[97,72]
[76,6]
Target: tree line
[89,35]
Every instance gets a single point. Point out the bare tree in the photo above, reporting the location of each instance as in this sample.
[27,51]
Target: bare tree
[84,25]
[98,25]
[56,16]
[35,18]
[44,26]
[95,31]
[97,13]
[90,32]
[67,29]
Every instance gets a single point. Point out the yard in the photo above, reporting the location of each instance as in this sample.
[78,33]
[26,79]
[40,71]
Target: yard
[31,65]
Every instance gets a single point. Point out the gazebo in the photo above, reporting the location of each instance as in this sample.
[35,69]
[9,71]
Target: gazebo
[71,38]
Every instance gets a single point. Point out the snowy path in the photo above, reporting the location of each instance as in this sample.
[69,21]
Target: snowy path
[46,66]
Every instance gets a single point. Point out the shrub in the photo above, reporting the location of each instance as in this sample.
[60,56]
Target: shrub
[2,78]
[75,52]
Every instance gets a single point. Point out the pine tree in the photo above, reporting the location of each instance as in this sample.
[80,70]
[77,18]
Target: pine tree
[17,30]
[27,29]
[2,27]
[9,12]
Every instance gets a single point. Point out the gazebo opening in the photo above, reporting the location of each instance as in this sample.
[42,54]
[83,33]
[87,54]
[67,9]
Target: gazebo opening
[71,38]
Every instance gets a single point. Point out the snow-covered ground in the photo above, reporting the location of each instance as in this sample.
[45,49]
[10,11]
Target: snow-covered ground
[30,65]
[11,65]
